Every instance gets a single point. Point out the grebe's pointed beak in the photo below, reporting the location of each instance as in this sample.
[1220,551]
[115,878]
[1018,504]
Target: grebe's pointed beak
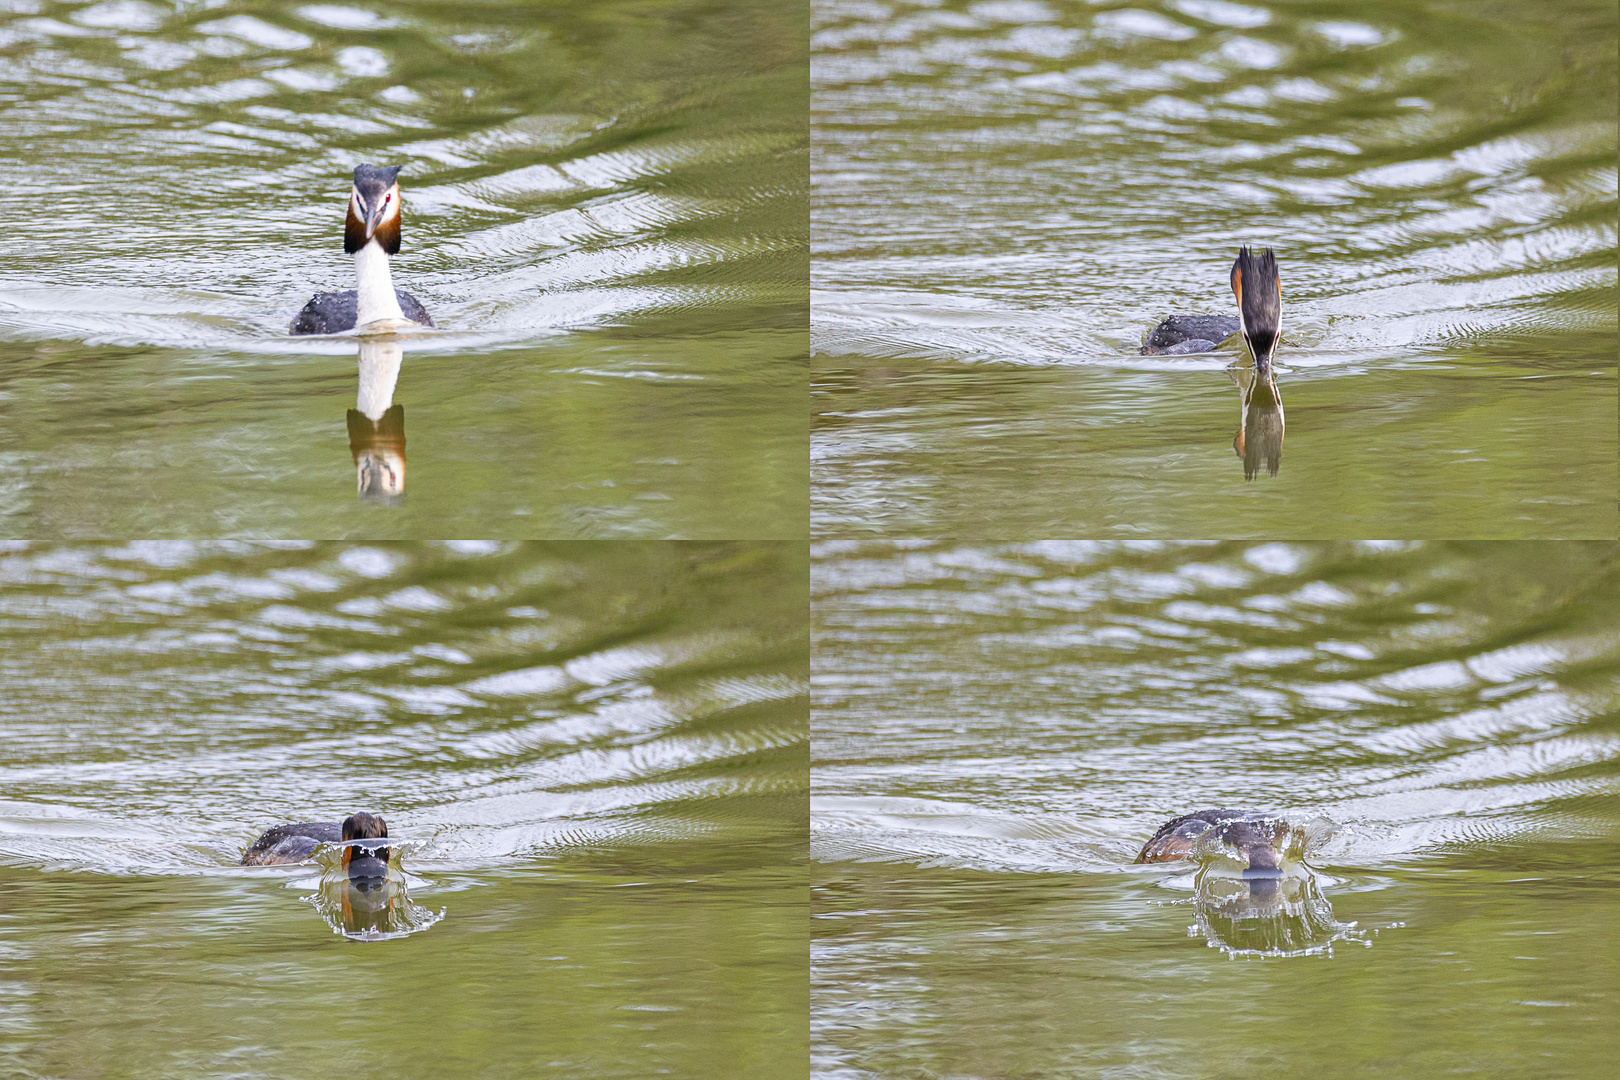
[378,210]
[1262,347]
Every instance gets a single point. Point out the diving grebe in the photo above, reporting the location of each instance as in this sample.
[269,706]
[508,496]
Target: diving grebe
[1259,296]
[1257,837]
[295,843]
[370,234]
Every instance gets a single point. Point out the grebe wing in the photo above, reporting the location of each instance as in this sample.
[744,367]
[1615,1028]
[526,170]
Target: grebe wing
[291,843]
[413,310]
[1177,329]
[327,313]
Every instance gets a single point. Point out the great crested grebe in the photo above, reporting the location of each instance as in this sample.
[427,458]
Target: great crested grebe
[370,234]
[1259,296]
[1259,838]
[295,843]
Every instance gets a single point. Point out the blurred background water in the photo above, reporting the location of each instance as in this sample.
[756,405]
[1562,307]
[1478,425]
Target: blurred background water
[1008,194]
[605,213]
[998,729]
[593,754]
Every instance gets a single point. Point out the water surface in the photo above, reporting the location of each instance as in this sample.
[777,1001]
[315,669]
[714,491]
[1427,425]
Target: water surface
[593,756]
[997,729]
[604,213]
[1008,195]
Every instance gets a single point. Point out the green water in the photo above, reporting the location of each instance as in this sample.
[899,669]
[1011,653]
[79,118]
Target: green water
[604,212]
[1496,966]
[197,977]
[1008,196]
[702,752]
[592,757]
[997,729]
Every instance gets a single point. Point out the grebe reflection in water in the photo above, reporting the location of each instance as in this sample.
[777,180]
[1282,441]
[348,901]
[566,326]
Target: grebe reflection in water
[376,425]
[1259,436]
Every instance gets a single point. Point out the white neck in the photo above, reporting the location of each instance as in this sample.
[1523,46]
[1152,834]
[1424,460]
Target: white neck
[376,286]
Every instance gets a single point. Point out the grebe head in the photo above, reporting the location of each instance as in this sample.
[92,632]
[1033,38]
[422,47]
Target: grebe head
[364,861]
[373,209]
[1259,297]
[364,826]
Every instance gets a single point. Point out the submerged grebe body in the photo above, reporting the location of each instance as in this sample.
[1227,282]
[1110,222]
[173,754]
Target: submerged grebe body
[1257,837]
[370,234]
[295,843]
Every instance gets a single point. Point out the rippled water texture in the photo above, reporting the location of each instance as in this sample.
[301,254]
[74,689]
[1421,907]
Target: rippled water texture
[1009,194]
[592,755]
[998,729]
[604,212]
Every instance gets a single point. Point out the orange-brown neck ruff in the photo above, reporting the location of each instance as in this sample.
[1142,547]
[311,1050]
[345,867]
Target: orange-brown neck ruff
[354,231]
[387,233]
